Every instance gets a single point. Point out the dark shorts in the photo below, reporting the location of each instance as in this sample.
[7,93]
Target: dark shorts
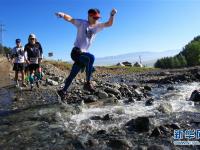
[26,68]
[18,67]
[75,54]
[33,67]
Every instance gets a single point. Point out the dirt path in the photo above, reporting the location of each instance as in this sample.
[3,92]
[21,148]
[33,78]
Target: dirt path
[5,69]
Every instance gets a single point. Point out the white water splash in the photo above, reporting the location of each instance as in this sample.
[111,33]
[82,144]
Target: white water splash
[121,113]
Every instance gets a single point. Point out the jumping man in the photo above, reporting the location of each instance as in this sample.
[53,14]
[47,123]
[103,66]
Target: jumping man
[87,29]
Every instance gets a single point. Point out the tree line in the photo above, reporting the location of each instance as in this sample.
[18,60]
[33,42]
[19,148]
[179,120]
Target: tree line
[189,56]
[5,50]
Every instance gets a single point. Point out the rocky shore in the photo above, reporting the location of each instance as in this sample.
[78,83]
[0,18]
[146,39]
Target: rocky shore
[127,111]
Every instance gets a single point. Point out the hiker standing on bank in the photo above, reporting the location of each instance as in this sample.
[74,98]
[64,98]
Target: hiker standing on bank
[34,57]
[18,56]
[87,29]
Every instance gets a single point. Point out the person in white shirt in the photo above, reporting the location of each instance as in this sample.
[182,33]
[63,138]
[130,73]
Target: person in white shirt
[86,32]
[18,56]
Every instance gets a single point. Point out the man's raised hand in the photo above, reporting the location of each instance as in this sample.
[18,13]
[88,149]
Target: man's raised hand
[60,14]
[113,12]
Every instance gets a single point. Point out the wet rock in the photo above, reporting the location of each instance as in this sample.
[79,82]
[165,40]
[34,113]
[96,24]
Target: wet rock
[135,86]
[164,73]
[162,131]
[165,130]
[123,85]
[156,132]
[149,102]
[148,88]
[92,142]
[195,96]
[137,92]
[100,132]
[155,147]
[112,95]
[106,117]
[102,94]
[170,88]
[51,82]
[95,118]
[89,99]
[57,79]
[77,144]
[110,100]
[175,126]
[113,85]
[121,144]
[140,124]
[112,91]
[125,92]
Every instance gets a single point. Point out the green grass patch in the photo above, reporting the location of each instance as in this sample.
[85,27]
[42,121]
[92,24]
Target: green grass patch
[127,69]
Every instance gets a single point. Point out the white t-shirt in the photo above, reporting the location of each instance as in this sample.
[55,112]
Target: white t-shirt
[85,33]
[19,54]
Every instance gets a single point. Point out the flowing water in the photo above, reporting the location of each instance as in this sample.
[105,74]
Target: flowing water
[122,113]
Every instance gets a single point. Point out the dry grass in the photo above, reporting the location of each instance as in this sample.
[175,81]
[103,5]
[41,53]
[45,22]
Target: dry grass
[101,70]
[59,64]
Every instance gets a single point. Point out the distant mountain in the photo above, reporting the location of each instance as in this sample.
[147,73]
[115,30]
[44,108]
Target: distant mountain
[147,58]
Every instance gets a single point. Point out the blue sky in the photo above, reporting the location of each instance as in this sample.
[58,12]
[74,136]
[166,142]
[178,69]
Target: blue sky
[140,25]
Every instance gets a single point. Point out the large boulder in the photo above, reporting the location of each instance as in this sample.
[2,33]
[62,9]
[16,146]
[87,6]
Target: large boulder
[102,94]
[112,91]
[195,96]
[140,124]
[121,144]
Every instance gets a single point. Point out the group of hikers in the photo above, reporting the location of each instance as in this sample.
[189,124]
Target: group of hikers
[86,32]
[27,60]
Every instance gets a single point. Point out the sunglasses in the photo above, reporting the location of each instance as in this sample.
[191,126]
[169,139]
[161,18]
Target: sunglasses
[95,18]
[32,38]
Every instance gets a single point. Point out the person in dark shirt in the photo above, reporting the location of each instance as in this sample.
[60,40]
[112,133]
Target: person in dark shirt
[34,56]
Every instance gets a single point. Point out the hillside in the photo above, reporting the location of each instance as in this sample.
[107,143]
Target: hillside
[148,58]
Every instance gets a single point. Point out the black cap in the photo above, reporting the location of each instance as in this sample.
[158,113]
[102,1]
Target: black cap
[18,41]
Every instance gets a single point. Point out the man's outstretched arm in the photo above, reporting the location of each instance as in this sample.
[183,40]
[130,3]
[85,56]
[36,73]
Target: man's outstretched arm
[111,19]
[65,16]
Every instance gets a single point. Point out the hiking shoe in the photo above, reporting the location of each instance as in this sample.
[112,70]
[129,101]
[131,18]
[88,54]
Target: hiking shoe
[37,84]
[31,86]
[89,87]
[61,94]
[17,84]
[24,85]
